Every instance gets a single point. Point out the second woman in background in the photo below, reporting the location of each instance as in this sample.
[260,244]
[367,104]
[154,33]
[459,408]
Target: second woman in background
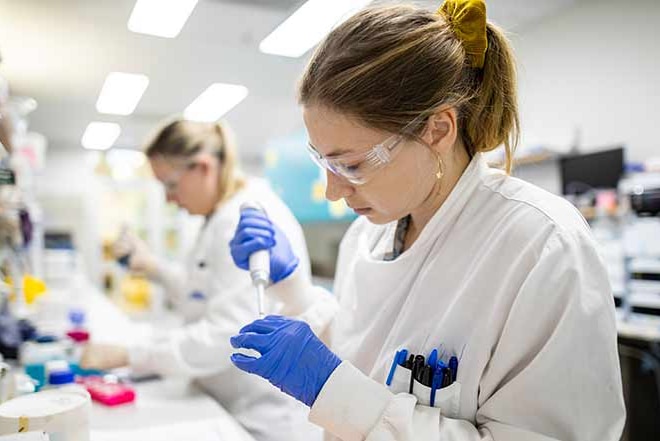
[196,162]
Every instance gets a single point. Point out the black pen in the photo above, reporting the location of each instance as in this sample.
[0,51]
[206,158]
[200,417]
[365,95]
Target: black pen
[412,374]
[419,369]
[418,365]
[409,362]
[427,378]
[446,379]
[420,362]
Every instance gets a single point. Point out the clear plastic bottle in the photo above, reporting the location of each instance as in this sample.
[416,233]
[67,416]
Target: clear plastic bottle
[78,335]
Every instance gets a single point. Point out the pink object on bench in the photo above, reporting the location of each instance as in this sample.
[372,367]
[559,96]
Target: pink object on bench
[110,394]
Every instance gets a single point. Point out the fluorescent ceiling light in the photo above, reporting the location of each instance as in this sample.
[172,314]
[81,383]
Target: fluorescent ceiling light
[162,18]
[121,93]
[100,135]
[214,102]
[308,25]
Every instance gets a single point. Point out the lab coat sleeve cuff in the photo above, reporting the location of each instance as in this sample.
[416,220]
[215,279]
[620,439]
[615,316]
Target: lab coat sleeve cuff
[158,358]
[138,358]
[142,349]
[350,404]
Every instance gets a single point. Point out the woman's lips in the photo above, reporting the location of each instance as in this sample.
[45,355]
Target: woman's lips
[362,211]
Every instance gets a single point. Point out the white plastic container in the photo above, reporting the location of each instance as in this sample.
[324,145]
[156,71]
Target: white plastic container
[63,414]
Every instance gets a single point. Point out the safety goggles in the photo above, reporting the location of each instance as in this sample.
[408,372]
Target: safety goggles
[358,168]
[171,184]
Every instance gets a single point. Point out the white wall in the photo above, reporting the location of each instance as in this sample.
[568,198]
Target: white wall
[71,194]
[593,67]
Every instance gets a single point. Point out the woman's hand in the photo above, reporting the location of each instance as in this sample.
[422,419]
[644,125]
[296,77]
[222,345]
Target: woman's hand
[292,357]
[256,232]
[103,357]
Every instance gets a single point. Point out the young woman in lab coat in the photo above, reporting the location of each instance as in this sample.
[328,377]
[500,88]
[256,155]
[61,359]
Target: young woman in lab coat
[400,103]
[197,165]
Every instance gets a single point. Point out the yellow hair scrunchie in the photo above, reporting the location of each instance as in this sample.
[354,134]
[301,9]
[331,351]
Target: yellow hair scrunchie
[468,21]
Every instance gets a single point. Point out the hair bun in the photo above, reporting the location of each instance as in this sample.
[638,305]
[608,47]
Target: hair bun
[467,19]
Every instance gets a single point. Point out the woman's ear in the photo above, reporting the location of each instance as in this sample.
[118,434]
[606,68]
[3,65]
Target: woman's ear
[441,130]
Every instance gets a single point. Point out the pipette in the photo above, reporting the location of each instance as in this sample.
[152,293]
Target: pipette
[259,264]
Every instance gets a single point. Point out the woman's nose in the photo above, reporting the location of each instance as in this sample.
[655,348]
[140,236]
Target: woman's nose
[337,188]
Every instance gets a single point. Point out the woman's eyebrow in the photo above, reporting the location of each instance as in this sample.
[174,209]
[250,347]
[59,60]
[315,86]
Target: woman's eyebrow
[337,152]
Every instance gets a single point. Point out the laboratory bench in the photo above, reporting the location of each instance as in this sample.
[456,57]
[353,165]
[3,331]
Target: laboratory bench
[169,409]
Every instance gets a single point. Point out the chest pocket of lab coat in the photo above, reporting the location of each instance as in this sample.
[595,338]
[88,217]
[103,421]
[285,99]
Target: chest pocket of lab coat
[197,295]
[448,399]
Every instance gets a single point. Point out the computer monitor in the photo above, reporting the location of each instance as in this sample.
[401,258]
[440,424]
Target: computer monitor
[598,170]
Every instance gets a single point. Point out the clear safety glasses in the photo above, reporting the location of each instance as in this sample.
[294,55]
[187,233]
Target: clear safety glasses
[358,168]
[172,182]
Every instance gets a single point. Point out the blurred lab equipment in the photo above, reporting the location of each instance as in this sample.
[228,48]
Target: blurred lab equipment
[63,413]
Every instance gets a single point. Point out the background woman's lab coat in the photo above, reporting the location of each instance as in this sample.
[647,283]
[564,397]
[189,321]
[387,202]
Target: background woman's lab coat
[216,299]
[506,275]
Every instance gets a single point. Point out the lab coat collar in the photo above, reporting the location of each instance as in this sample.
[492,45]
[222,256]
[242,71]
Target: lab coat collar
[449,211]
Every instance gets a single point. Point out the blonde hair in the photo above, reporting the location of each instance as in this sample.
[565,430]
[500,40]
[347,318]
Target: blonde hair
[387,65]
[184,139]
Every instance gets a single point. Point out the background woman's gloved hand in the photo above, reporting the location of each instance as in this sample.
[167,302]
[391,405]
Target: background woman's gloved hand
[131,251]
[292,357]
[104,356]
[256,232]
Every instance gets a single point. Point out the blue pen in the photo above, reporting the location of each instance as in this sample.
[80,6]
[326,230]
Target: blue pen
[395,362]
[433,359]
[399,359]
[403,356]
[453,367]
[437,381]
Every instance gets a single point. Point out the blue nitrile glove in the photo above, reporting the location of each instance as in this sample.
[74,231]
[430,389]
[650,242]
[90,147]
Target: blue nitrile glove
[292,357]
[256,232]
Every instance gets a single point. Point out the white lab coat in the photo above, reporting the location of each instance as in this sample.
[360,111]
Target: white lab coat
[216,299]
[506,275]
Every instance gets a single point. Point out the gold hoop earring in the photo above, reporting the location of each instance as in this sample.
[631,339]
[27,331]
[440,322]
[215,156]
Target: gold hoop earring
[441,169]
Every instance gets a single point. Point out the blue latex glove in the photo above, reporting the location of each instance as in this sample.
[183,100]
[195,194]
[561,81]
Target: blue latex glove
[256,232]
[292,357]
